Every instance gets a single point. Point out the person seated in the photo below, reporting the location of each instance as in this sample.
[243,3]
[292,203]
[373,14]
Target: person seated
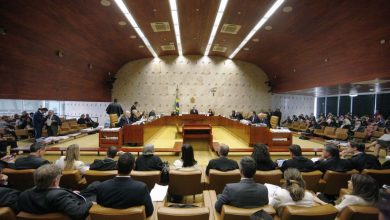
[364,189]
[107,163]
[233,115]
[360,160]
[384,204]
[81,120]
[125,119]
[148,161]
[330,160]
[222,163]
[4,142]
[382,142]
[152,114]
[34,160]
[287,121]
[123,192]
[134,106]
[90,122]
[246,193]
[194,111]
[211,112]
[48,197]
[262,158]
[239,116]
[187,160]
[9,198]
[71,160]
[135,116]
[254,118]
[297,161]
[293,192]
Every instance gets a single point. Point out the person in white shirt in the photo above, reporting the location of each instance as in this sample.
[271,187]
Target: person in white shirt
[293,192]
[71,160]
[187,161]
[364,189]
[382,142]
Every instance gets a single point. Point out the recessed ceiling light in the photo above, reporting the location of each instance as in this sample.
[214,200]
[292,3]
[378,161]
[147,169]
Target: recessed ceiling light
[121,5]
[246,48]
[197,9]
[105,3]
[383,41]
[294,70]
[122,23]
[154,10]
[239,13]
[326,60]
[133,36]
[259,24]
[268,28]
[218,18]
[175,19]
[287,9]
[255,40]
[140,46]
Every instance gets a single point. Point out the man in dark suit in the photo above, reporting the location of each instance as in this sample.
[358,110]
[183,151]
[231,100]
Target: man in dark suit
[222,163]
[107,163]
[34,160]
[360,160]
[48,197]
[114,108]
[122,191]
[194,111]
[39,122]
[254,118]
[330,160]
[81,120]
[90,122]
[9,198]
[297,161]
[52,123]
[246,193]
[277,113]
[125,119]
[148,161]
[134,106]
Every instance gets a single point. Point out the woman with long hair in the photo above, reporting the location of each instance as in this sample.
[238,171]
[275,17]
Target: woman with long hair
[71,160]
[187,159]
[364,189]
[262,157]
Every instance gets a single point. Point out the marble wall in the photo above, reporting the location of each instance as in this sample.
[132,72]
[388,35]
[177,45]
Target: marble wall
[293,104]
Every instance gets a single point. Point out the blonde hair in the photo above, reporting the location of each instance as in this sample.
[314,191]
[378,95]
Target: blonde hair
[294,184]
[72,154]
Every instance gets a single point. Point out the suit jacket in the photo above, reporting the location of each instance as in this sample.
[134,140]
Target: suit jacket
[245,194]
[124,192]
[335,164]
[38,120]
[194,111]
[44,201]
[148,163]
[303,164]
[386,165]
[9,198]
[363,161]
[124,121]
[81,121]
[105,164]
[29,162]
[254,119]
[221,164]
[114,108]
[266,165]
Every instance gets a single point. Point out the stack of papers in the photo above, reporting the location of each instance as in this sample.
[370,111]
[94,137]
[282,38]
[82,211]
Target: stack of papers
[282,130]
[158,193]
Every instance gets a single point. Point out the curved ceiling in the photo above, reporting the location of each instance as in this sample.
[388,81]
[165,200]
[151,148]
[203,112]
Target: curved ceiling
[318,43]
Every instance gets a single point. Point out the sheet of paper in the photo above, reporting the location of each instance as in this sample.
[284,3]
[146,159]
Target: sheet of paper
[315,159]
[158,193]
[271,189]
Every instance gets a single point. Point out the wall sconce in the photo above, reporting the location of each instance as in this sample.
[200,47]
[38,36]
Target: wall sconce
[60,53]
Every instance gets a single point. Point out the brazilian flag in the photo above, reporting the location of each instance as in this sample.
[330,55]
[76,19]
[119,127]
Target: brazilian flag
[177,105]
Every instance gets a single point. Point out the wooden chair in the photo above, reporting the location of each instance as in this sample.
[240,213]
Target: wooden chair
[96,175]
[312,178]
[381,176]
[323,212]
[168,213]
[340,134]
[20,179]
[217,180]
[272,177]
[185,183]
[274,121]
[72,179]
[49,216]
[6,213]
[358,213]
[98,212]
[150,178]
[333,181]
[114,119]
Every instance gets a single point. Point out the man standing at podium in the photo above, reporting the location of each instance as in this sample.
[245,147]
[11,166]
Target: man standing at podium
[194,111]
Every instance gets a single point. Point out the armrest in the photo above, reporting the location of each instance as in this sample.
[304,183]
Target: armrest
[213,198]
[231,210]
[321,185]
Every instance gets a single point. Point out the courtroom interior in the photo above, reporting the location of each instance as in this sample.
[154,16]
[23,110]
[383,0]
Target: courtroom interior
[195,109]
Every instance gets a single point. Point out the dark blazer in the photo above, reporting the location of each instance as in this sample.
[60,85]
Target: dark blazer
[363,161]
[124,192]
[9,198]
[38,120]
[29,162]
[221,164]
[303,164]
[266,165]
[386,165]
[254,119]
[245,194]
[148,163]
[124,121]
[54,200]
[194,111]
[335,164]
[81,121]
[114,108]
[105,164]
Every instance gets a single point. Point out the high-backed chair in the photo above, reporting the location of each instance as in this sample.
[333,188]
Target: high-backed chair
[272,177]
[360,135]
[358,213]
[329,131]
[319,131]
[217,180]
[340,134]
[168,213]
[185,183]
[114,119]
[6,213]
[333,181]
[20,179]
[98,212]
[381,176]
[49,216]
[274,121]
[72,179]
[234,213]
[150,178]
[97,175]
[312,178]
[323,212]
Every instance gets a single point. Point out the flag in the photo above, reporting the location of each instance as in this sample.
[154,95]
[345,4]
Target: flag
[177,105]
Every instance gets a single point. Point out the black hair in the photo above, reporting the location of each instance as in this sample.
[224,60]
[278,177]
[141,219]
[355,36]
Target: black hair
[260,153]
[359,146]
[332,150]
[187,155]
[36,147]
[111,152]
[248,167]
[295,150]
[125,163]
[115,100]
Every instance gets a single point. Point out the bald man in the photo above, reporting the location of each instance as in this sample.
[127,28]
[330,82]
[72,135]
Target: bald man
[222,163]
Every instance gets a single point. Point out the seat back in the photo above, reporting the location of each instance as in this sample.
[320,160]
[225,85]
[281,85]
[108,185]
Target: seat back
[49,216]
[334,181]
[6,213]
[185,182]
[323,212]
[234,213]
[381,176]
[329,131]
[150,178]
[71,179]
[98,212]
[20,179]
[219,179]
[274,121]
[312,178]
[96,175]
[113,120]
[359,212]
[377,134]
[168,213]
[341,133]
[272,177]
